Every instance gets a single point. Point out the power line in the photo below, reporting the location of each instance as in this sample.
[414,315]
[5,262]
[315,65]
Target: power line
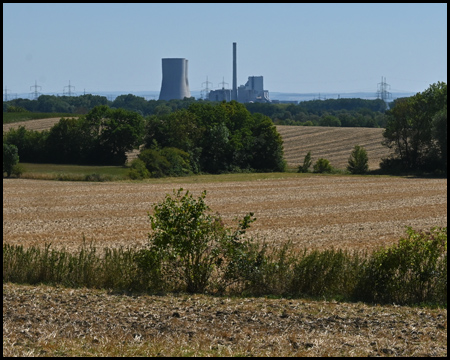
[382,90]
[6,94]
[36,93]
[69,92]
[205,91]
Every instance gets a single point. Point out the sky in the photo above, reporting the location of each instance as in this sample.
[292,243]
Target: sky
[297,48]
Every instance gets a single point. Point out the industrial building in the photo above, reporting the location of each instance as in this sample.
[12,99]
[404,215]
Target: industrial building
[175,84]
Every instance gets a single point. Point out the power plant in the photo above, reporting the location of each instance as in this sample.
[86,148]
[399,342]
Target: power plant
[175,84]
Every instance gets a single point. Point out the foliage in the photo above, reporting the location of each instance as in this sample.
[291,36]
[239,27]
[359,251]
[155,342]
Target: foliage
[103,137]
[187,243]
[412,272]
[191,250]
[219,138]
[358,162]
[10,158]
[322,166]
[411,130]
[306,164]
[165,162]
[138,170]
[18,170]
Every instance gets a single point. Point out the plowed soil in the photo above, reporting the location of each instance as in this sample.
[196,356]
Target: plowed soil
[46,321]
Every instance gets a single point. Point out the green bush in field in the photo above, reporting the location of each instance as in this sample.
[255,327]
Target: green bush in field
[138,171]
[322,166]
[413,271]
[187,244]
[358,162]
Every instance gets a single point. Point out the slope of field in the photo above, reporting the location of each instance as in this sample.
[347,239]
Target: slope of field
[312,211]
[37,125]
[332,143]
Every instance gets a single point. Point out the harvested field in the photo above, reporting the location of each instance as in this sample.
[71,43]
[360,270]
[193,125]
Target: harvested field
[332,143]
[47,321]
[312,211]
[36,125]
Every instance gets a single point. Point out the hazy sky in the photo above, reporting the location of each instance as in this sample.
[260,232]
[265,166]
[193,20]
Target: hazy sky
[303,48]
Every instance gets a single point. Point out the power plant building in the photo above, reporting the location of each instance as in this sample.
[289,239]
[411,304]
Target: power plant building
[253,91]
[220,95]
[175,84]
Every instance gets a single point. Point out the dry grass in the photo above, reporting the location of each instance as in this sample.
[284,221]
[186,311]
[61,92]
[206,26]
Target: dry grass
[47,321]
[36,125]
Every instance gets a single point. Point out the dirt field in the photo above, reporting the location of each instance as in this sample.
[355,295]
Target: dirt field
[312,210]
[46,321]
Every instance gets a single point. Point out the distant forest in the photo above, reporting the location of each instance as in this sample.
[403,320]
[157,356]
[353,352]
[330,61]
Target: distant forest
[331,112]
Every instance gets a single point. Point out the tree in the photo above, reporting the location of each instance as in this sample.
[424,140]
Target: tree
[10,158]
[409,128]
[358,161]
[306,163]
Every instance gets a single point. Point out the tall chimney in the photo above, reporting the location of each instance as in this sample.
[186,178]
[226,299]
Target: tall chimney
[234,92]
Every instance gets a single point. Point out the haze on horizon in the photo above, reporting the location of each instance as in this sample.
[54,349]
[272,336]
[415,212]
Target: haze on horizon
[298,48]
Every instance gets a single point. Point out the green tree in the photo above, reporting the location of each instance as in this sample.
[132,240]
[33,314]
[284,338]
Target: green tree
[358,162]
[409,127]
[306,164]
[10,158]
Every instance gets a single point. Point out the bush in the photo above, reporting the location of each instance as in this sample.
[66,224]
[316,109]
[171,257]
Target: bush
[138,171]
[17,170]
[187,245]
[358,161]
[322,166]
[413,271]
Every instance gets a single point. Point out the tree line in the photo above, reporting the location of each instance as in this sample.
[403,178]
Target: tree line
[331,112]
[205,138]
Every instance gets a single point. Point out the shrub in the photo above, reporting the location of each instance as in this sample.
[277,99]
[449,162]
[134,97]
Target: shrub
[17,170]
[138,170]
[413,271]
[187,244]
[358,161]
[322,166]
[306,163]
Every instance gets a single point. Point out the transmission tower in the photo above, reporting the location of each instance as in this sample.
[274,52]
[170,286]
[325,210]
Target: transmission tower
[6,94]
[69,92]
[205,91]
[35,92]
[223,83]
[382,90]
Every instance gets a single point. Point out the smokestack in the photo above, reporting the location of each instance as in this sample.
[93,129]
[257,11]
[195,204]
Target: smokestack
[175,84]
[234,92]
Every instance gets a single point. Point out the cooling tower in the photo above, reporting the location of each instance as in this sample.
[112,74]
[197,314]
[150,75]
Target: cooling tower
[175,84]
